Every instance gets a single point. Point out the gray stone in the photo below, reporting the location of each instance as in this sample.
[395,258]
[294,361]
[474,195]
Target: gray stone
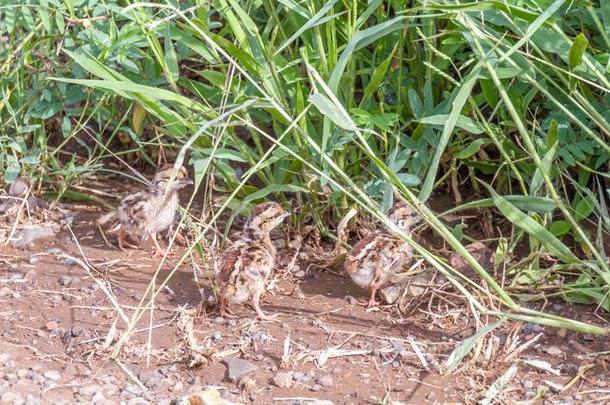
[261,337]
[52,375]
[316,387]
[4,357]
[130,390]
[30,400]
[390,294]
[301,378]
[90,390]
[283,380]
[68,261]
[237,368]
[111,389]
[137,401]
[68,281]
[399,347]
[178,386]
[26,237]
[552,350]
[219,320]
[9,397]
[151,379]
[326,380]
[351,300]
[216,335]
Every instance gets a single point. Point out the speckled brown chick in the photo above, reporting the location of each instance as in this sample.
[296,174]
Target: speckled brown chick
[381,254]
[247,264]
[145,213]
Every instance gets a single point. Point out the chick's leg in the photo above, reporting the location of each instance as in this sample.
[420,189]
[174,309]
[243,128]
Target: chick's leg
[225,311]
[158,250]
[372,302]
[123,241]
[257,307]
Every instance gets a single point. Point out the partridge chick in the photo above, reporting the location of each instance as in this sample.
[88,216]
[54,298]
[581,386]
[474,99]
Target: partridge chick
[377,257]
[146,213]
[248,263]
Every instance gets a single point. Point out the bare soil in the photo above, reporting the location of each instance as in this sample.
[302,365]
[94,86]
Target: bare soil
[59,328]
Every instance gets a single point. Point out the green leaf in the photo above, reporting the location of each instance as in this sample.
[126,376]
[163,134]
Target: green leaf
[455,358]
[220,153]
[328,108]
[43,13]
[171,61]
[456,109]
[130,87]
[579,46]
[541,205]
[361,39]
[274,188]
[501,384]
[560,228]
[547,161]
[531,227]
[471,149]
[462,122]
[584,208]
[378,76]
[314,21]
[409,180]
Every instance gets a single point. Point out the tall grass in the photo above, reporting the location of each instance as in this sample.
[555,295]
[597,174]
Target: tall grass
[337,103]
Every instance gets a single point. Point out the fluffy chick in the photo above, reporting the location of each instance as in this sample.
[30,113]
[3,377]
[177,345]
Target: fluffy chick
[145,213]
[248,263]
[376,258]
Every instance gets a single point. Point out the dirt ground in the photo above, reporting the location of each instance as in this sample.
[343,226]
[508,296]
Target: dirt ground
[59,329]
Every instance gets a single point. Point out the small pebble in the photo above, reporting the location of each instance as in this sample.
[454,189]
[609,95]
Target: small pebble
[326,381]
[351,300]
[68,261]
[52,375]
[90,390]
[301,378]
[283,380]
[51,325]
[552,350]
[76,330]
[216,335]
[10,397]
[219,320]
[316,387]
